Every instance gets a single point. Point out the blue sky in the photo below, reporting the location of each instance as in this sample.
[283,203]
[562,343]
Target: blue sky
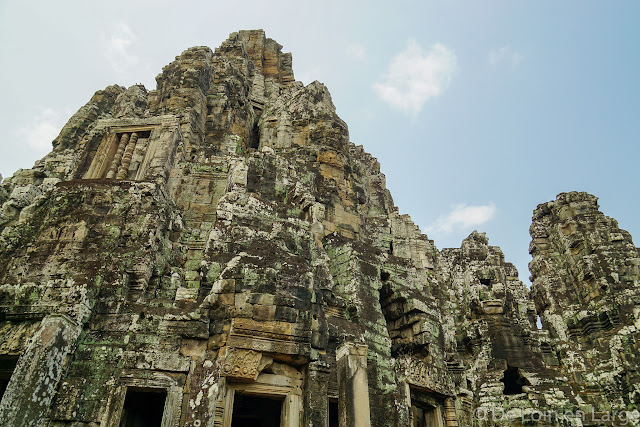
[477,111]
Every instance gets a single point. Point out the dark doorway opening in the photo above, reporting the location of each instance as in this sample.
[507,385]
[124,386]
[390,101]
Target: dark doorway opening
[426,408]
[424,416]
[7,365]
[143,407]
[254,136]
[513,381]
[333,413]
[256,411]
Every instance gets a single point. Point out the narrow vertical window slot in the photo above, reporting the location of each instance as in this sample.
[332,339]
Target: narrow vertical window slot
[333,418]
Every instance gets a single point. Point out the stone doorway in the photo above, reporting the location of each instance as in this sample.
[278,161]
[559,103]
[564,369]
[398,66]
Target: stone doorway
[426,409]
[256,411]
[257,391]
[143,408]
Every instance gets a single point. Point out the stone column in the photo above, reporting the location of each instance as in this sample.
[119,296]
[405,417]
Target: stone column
[123,170]
[115,164]
[34,382]
[316,394]
[292,410]
[353,385]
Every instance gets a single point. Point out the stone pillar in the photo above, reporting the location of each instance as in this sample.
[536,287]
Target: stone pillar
[123,170]
[450,417]
[316,394]
[291,410]
[113,169]
[353,385]
[35,379]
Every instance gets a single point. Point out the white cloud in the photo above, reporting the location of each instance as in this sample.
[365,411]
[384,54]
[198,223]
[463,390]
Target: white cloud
[414,77]
[42,129]
[357,51]
[463,216]
[118,48]
[505,55]
[497,55]
[516,59]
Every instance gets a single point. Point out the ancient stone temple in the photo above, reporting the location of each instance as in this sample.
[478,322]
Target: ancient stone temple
[216,252]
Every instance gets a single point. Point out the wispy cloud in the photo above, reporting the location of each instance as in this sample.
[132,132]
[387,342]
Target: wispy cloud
[42,129]
[505,56]
[463,216]
[118,48]
[357,51]
[414,76]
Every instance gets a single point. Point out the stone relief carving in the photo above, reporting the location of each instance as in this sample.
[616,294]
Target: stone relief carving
[244,364]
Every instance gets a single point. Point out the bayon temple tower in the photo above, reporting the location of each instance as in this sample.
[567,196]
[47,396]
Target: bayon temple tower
[216,252]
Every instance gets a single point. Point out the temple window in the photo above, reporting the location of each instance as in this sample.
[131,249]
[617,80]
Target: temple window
[120,155]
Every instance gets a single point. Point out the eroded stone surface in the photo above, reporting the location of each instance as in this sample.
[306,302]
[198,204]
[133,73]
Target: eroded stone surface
[220,235]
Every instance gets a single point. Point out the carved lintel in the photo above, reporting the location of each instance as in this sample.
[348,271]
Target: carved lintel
[425,375]
[244,364]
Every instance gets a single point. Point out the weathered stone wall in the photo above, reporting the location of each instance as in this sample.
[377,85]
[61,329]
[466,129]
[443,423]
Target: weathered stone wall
[220,237]
[585,272]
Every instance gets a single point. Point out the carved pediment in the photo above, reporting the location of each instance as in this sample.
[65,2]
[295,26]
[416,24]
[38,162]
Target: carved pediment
[244,364]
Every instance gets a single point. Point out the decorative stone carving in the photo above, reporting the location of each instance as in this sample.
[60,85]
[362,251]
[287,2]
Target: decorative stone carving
[244,364]
[425,375]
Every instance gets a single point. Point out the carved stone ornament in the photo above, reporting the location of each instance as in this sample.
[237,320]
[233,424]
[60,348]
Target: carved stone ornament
[244,364]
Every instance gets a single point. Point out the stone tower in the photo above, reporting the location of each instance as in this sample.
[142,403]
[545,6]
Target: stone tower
[216,252]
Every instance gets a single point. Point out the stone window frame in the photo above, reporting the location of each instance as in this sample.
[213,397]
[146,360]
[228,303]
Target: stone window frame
[109,145]
[291,401]
[438,408]
[446,410]
[254,373]
[170,383]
